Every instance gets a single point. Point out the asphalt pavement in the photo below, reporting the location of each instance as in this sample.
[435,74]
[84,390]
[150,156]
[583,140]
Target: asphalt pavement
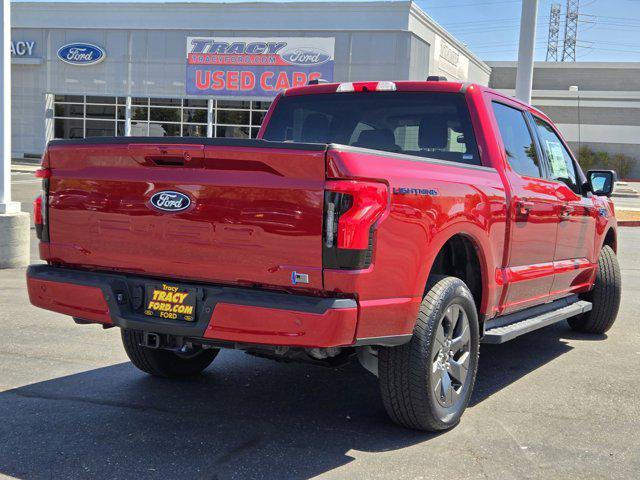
[551,404]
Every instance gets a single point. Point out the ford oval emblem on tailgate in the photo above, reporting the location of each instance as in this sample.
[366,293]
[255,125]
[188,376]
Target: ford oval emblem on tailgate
[170,201]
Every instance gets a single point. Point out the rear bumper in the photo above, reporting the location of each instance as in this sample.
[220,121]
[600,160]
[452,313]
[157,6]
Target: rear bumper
[231,314]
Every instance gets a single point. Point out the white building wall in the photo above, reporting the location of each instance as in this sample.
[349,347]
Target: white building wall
[447,56]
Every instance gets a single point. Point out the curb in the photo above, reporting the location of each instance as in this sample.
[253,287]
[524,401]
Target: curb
[24,168]
[629,223]
[26,161]
[625,195]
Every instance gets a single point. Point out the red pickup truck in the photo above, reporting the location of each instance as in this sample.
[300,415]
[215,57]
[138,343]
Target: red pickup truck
[401,223]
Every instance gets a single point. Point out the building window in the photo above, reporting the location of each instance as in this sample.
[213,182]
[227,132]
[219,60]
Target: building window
[79,116]
[237,118]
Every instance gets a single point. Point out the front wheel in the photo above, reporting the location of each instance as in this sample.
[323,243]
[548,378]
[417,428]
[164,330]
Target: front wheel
[605,296]
[426,384]
[165,363]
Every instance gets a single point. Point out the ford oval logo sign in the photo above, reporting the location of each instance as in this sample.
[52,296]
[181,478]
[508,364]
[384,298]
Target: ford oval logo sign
[305,56]
[170,201]
[81,54]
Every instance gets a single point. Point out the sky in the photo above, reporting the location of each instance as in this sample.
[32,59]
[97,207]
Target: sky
[609,30]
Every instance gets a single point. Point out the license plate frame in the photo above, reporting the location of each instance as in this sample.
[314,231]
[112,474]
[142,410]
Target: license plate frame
[172,302]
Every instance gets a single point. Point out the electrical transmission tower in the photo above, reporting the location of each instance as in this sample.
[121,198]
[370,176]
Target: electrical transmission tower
[571,31]
[554,30]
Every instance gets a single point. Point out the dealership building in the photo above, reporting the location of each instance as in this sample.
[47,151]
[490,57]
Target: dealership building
[212,69]
[594,104]
[205,69]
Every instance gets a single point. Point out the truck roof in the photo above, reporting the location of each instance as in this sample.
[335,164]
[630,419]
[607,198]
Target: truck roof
[401,86]
[405,86]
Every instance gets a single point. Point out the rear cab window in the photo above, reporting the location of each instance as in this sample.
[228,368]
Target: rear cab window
[425,124]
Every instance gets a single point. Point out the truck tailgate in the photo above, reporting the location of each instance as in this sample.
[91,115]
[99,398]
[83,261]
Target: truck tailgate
[255,213]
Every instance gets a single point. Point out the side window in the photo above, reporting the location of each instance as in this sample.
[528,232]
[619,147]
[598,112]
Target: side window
[561,165]
[519,146]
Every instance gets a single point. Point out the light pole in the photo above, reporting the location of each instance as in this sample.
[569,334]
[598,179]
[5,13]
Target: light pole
[6,205]
[14,225]
[526,50]
[575,89]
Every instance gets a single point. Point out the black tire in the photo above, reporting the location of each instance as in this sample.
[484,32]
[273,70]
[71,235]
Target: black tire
[406,373]
[164,363]
[605,296]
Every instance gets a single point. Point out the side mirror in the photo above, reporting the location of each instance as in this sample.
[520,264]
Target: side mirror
[601,182]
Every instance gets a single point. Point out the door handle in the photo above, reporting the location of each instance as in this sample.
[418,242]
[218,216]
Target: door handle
[524,206]
[566,211]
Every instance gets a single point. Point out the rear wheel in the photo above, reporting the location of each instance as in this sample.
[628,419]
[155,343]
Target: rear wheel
[426,384]
[605,296]
[165,363]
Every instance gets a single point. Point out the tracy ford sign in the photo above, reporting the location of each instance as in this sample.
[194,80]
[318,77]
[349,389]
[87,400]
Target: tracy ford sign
[81,54]
[22,48]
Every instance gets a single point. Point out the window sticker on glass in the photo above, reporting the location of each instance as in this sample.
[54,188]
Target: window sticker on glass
[556,159]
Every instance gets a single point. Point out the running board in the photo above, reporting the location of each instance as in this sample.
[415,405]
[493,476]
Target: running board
[503,329]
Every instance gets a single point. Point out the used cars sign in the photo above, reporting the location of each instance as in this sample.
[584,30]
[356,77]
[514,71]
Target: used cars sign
[257,67]
[81,54]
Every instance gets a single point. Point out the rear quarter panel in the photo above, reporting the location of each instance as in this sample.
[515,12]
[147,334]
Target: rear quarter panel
[460,199]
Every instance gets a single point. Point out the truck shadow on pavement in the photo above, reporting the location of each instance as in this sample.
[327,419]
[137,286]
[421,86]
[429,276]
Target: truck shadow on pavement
[244,418]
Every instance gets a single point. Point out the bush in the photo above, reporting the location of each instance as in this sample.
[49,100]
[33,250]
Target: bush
[603,159]
[622,164]
[586,158]
[589,160]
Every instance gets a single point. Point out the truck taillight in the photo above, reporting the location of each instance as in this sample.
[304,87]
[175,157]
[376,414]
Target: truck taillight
[352,210]
[37,211]
[40,205]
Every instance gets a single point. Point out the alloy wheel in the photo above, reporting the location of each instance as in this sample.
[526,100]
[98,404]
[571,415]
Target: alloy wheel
[450,364]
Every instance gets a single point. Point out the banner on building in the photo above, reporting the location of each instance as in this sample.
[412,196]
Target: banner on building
[256,67]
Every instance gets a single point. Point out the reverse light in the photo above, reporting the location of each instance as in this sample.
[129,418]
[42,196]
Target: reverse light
[352,210]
